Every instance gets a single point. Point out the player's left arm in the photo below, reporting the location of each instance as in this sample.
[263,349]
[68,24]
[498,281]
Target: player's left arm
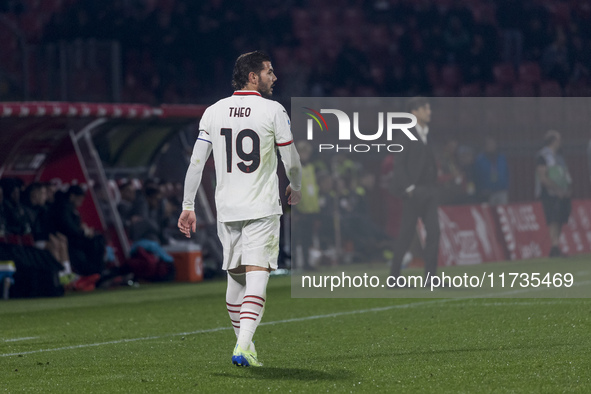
[293,170]
[289,155]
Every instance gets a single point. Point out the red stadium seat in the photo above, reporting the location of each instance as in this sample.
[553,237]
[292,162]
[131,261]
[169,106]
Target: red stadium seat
[444,91]
[550,89]
[327,36]
[484,14]
[49,6]
[577,89]
[451,76]
[365,91]
[282,57]
[432,74]
[301,19]
[379,36]
[32,24]
[328,18]
[444,3]
[561,12]
[471,90]
[530,73]
[331,52]
[305,56]
[494,90]
[523,89]
[504,74]
[166,5]
[353,18]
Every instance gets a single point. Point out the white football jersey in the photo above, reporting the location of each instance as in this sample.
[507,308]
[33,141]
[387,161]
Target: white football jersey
[245,130]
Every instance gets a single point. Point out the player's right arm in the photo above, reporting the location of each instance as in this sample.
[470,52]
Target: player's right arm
[201,151]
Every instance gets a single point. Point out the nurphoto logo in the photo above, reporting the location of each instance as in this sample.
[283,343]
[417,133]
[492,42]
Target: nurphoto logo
[391,120]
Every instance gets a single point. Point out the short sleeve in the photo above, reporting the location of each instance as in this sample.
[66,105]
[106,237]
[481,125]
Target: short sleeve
[282,125]
[541,161]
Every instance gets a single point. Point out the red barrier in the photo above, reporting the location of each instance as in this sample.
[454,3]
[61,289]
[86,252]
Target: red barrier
[524,229]
[468,235]
[54,109]
[576,234]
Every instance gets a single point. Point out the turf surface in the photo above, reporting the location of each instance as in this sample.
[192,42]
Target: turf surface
[177,338]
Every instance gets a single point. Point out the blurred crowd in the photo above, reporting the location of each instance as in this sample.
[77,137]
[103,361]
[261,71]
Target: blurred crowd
[42,232]
[183,51]
[350,206]
[348,213]
[149,212]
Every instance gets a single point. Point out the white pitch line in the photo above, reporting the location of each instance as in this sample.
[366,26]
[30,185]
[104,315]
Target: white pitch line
[19,339]
[271,323]
[517,303]
[297,319]
[528,289]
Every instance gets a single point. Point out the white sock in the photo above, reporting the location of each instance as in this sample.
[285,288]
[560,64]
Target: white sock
[234,295]
[67,269]
[253,306]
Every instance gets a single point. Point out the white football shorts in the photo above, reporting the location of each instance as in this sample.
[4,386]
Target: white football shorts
[250,242]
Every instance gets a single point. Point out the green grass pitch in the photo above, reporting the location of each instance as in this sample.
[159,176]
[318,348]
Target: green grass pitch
[177,338]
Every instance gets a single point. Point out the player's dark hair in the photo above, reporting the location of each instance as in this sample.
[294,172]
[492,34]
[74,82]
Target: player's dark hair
[245,64]
[415,103]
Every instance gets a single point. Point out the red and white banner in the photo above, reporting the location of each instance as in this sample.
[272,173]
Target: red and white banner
[524,229]
[576,234]
[107,110]
[474,234]
[468,236]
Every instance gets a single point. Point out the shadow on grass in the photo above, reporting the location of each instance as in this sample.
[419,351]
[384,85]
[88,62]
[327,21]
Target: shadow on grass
[419,353]
[277,373]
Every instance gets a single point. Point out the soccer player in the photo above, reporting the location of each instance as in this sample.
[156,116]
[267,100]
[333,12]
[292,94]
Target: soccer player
[554,188]
[245,131]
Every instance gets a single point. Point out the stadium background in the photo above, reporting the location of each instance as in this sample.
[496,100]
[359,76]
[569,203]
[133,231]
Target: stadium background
[171,58]
[179,54]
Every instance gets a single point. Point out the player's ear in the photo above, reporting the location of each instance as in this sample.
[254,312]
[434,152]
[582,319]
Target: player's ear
[253,77]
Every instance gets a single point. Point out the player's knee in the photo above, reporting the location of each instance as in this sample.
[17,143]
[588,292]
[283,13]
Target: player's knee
[238,270]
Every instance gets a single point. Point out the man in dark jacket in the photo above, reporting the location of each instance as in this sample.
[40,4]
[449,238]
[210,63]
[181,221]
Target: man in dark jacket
[415,180]
[17,220]
[86,249]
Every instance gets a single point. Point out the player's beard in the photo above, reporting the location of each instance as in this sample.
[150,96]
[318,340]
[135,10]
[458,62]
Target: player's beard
[266,91]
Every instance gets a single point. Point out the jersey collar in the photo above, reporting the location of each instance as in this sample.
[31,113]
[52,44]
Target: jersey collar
[247,93]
